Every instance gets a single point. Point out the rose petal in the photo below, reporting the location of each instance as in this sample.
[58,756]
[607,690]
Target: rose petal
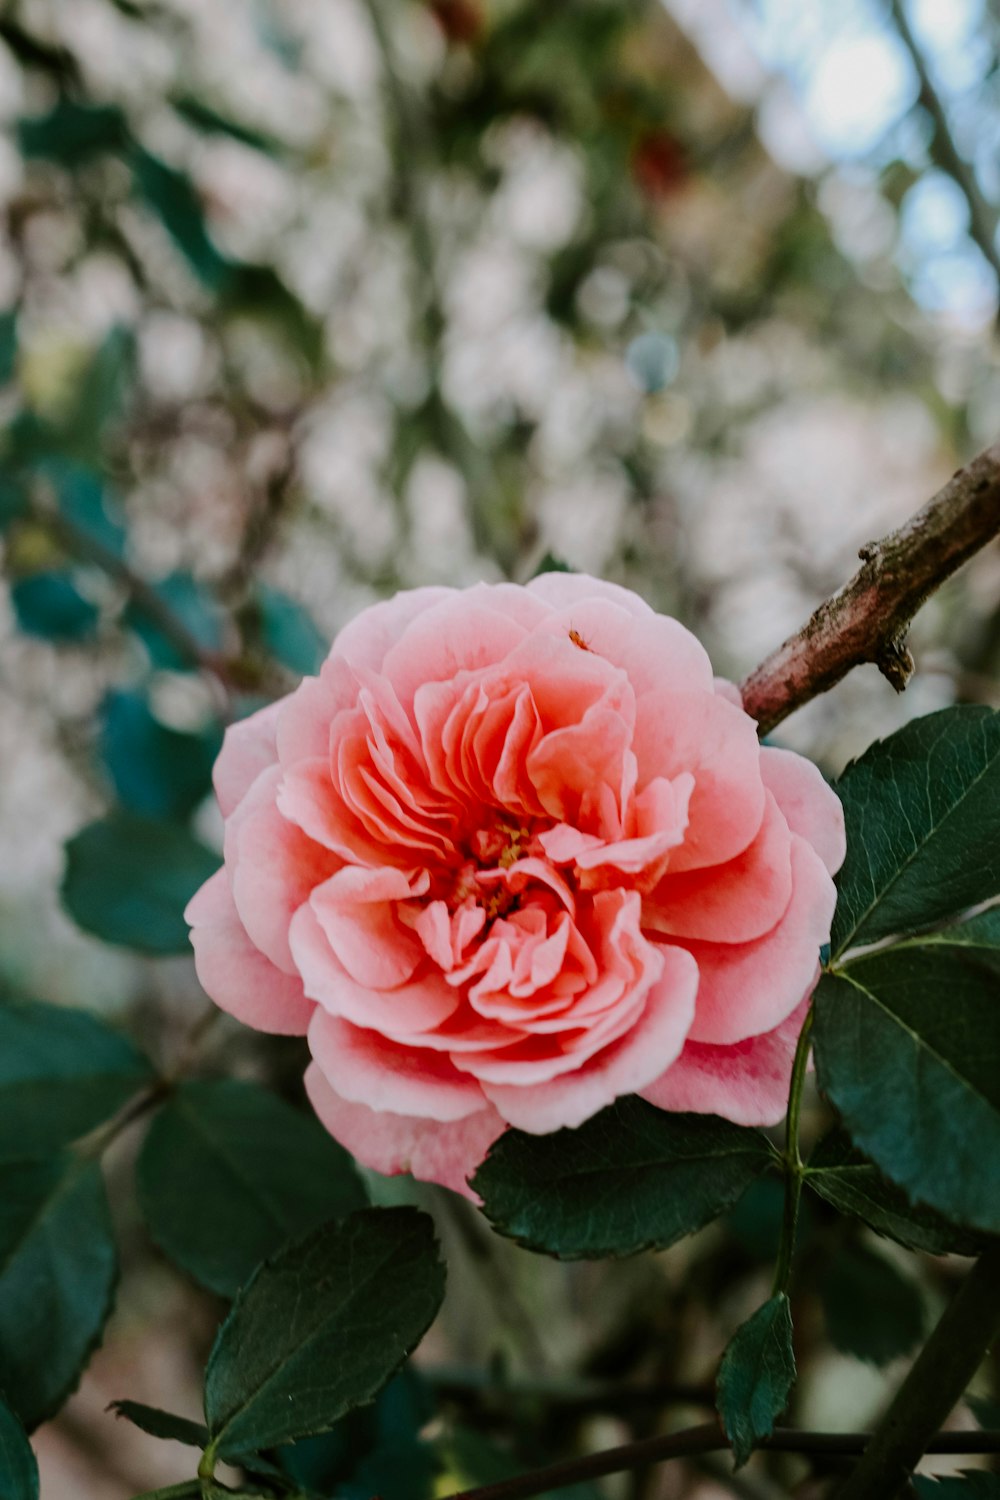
[625,1067]
[716,743]
[810,805]
[248,748]
[234,973]
[734,902]
[749,988]
[356,908]
[746,1083]
[366,1068]
[390,1143]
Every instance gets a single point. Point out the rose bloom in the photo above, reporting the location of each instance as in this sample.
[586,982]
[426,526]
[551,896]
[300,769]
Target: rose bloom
[514,853]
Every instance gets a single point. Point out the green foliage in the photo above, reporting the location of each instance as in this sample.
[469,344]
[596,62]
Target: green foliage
[923,826]
[755,1376]
[128,880]
[62,1072]
[288,632]
[268,1172]
[72,132]
[50,605]
[58,1267]
[908,1050]
[162,1424]
[18,1468]
[320,1329]
[375,1449]
[974,1485]
[846,1179]
[629,1179]
[191,606]
[156,771]
[8,345]
[475,1459]
[872,1311]
[171,196]
[86,504]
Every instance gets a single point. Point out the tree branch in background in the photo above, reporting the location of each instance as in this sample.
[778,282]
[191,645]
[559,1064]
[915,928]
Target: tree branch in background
[983,219]
[867,620]
[707,1438]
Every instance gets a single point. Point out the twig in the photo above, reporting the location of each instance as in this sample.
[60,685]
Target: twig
[982,217]
[867,620]
[939,1375]
[706,1438]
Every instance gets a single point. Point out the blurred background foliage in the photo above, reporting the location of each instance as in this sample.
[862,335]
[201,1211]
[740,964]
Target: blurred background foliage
[305,302]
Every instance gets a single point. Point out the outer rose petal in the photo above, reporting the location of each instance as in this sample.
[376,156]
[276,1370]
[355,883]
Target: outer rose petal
[390,1143]
[563,589]
[746,1083]
[234,973]
[749,988]
[248,748]
[623,1068]
[273,867]
[365,1068]
[657,653]
[811,807]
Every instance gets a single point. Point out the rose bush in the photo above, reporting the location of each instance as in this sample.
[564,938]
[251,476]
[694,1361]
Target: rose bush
[514,853]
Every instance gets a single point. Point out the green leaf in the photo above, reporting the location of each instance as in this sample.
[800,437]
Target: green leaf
[848,1180]
[193,606]
[976,940]
[156,771]
[101,394]
[62,1072]
[173,198]
[162,1424]
[268,1172]
[71,133]
[321,1328]
[972,1485]
[203,117]
[631,1178]
[755,1376]
[50,605]
[8,345]
[872,1311]
[18,1467]
[128,880]
[923,826]
[366,1442]
[86,504]
[288,632]
[58,1268]
[907,1047]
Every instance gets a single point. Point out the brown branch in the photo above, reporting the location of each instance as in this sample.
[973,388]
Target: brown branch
[868,619]
[706,1438]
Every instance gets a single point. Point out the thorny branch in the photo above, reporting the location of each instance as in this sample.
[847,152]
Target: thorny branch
[867,620]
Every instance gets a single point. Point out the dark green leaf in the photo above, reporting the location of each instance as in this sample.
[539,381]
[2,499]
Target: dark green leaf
[86,504]
[872,1311]
[631,1178]
[193,606]
[552,564]
[976,940]
[101,394]
[18,1468]
[756,1221]
[72,132]
[288,632]
[156,771]
[61,1073]
[972,1485]
[203,117]
[269,1172]
[58,1267]
[907,1047]
[362,1438]
[51,606]
[172,197]
[8,345]
[845,1178]
[923,826]
[321,1328]
[755,1376]
[128,880]
[162,1424]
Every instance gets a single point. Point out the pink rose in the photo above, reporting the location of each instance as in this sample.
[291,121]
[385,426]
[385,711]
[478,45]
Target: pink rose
[514,853]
